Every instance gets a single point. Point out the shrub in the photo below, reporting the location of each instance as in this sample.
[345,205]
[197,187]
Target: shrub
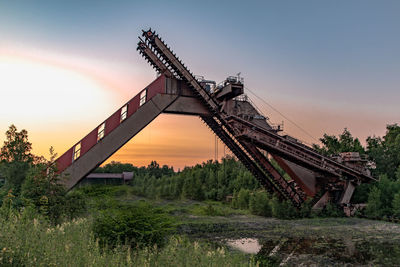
[282,209]
[396,205]
[138,225]
[331,210]
[374,208]
[75,205]
[241,199]
[259,204]
[42,190]
[211,210]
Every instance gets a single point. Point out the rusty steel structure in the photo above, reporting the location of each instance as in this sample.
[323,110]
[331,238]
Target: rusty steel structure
[230,116]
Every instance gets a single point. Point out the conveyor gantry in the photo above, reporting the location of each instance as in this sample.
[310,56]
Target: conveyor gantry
[236,122]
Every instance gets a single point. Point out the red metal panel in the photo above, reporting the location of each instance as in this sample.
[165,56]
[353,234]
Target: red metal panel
[88,141]
[156,87]
[113,121]
[64,161]
[133,105]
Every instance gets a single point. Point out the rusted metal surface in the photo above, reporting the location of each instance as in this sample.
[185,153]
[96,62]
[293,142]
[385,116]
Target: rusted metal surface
[297,152]
[236,122]
[245,151]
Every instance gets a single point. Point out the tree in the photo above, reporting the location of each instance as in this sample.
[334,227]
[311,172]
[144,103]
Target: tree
[16,147]
[396,205]
[242,200]
[16,158]
[345,142]
[117,167]
[42,189]
[282,209]
[385,152]
[259,204]
[373,209]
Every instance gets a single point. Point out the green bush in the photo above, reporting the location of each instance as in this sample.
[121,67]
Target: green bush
[104,191]
[282,209]
[75,205]
[331,210]
[209,209]
[259,204]
[139,225]
[396,205]
[374,207]
[43,191]
[26,239]
[241,199]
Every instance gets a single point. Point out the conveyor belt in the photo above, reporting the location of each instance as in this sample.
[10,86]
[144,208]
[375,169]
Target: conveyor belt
[246,152]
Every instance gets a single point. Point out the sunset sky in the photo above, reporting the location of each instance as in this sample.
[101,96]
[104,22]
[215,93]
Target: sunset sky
[65,66]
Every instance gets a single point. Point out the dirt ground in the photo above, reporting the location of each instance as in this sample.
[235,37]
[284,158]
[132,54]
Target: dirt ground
[301,242]
[306,242]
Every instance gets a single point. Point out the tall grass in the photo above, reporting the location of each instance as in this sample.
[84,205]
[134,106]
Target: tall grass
[27,241]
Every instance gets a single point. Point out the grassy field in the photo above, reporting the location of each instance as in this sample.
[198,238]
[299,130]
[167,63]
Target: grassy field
[33,242]
[320,241]
[205,232]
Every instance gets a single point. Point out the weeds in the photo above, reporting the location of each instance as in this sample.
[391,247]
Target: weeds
[32,241]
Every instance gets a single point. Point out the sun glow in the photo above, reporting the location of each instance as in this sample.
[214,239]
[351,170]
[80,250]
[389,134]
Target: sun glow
[59,105]
[46,100]
[33,90]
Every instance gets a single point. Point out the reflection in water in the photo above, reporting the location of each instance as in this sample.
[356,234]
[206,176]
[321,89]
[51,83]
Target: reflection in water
[319,250]
[246,245]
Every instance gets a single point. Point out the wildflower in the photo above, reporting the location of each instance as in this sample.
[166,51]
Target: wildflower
[128,255]
[221,251]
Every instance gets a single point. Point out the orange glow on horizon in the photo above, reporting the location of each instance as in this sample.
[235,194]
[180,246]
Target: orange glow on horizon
[59,106]
[59,103]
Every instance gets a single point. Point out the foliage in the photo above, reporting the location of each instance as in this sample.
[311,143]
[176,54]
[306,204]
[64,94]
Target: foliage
[282,209]
[259,204]
[241,199]
[33,181]
[16,147]
[135,225]
[209,181]
[43,190]
[396,205]
[331,210]
[373,209]
[26,239]
[103,191]
[153,169]
[361,193]
[212,208]
[344,143]
[382,197]
[16,158]
[385,152]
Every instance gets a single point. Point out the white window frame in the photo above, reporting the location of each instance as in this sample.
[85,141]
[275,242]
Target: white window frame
[143,96]
[77,151]
[124,113]
[101,131]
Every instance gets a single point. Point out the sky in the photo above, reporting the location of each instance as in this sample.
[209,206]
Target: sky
[65,66]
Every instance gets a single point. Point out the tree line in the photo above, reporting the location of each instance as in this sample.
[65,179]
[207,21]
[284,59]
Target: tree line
[28,177]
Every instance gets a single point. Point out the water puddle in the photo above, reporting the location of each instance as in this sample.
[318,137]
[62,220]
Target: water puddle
[246,245]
